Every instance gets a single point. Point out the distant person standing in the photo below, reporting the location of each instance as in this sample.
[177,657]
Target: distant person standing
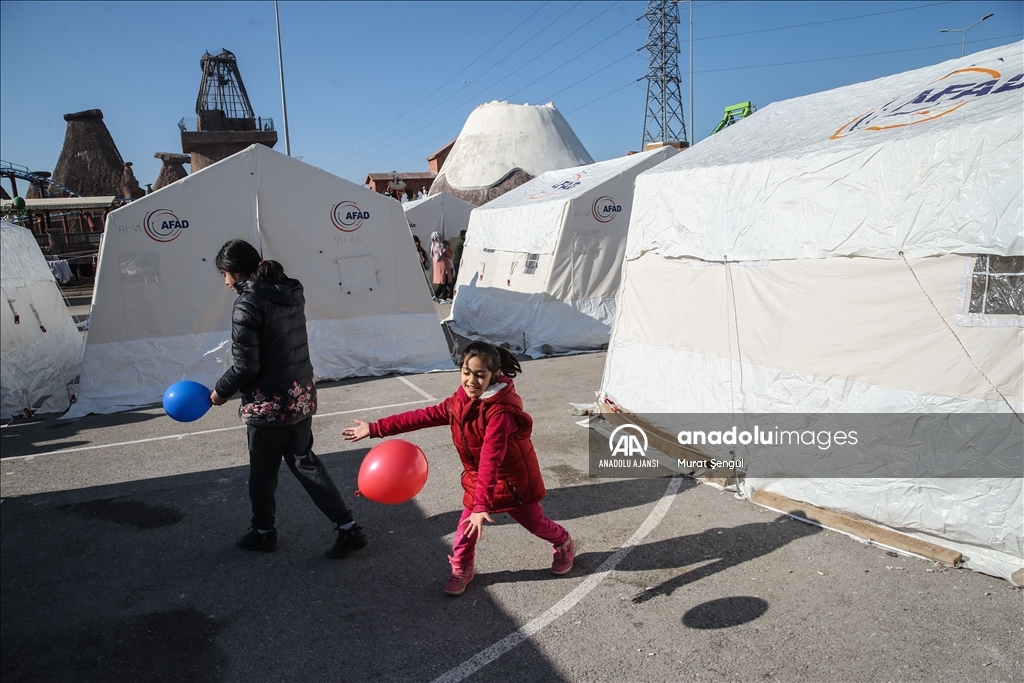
[441,256]
[456,244]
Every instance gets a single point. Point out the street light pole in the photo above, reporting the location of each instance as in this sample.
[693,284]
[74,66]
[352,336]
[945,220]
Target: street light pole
[280,65]
[693,127]
[963,43]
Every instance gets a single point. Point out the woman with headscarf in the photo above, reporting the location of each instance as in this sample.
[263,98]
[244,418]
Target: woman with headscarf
[441,256]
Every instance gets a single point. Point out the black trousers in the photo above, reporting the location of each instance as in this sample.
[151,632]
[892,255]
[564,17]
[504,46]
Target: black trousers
[294,443]
[443,290]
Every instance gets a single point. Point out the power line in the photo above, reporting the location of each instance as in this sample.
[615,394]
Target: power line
[566,63]
[435,91]
[478,93]
[478,78]
[805,61]
[596,16]
[605,68]
[825,21]
[830,59]
[474,96]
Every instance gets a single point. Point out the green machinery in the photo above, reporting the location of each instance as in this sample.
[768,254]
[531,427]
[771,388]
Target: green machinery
[734,113]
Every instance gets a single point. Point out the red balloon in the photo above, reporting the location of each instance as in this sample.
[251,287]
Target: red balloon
[392,472]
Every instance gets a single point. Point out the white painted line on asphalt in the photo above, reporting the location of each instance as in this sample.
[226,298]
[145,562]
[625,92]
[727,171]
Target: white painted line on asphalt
[366,410]
[485,657]
[182,436]
[416,389]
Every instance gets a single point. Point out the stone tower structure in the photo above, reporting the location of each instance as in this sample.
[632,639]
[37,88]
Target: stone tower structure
[225,122]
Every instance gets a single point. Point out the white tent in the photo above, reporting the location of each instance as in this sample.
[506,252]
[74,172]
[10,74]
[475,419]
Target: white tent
[541,263]
[161,312]
[42,348]
[441,213]
[853,251]
[503,145]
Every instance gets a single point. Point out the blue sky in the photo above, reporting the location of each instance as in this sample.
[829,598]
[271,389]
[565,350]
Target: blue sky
[375,87]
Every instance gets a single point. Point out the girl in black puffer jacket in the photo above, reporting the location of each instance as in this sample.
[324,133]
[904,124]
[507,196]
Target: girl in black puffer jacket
[271,367]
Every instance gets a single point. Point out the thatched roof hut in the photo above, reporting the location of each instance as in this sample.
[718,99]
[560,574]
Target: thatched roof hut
[89,162]
[173,168]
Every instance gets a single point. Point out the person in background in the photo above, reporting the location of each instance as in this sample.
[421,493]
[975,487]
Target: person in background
[456,243]
[441,256]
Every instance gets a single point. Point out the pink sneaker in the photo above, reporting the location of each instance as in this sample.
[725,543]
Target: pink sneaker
[460,578]
[564,556]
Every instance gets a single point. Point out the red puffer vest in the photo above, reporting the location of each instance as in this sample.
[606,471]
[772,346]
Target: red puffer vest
[519,477]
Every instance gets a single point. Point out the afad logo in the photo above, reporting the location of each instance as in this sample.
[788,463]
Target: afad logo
[605,209]
[575,181]
[347,217]
[163,226]
[939,98]
[627,443]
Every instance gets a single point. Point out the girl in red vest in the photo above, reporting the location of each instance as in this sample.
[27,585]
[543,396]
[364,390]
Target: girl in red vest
[491,432]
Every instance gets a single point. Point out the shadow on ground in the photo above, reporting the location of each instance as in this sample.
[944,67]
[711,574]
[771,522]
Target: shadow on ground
[141,581]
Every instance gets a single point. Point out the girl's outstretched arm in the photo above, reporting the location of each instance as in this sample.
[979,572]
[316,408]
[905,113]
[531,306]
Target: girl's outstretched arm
[357,433]
[434,416]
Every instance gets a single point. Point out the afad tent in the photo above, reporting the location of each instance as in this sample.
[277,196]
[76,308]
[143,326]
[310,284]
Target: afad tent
[41,347]
[853,251]
[541,263]
[161,312]
[441,213]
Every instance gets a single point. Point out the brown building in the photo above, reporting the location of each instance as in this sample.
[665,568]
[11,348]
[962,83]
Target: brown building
[410,184]
[436,160]
[396,184]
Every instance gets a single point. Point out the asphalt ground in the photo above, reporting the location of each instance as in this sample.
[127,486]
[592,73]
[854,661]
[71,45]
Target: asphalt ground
[118,563]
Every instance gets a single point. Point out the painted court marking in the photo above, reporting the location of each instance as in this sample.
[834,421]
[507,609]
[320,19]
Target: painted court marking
[206,431]
[485,657]
[416,388]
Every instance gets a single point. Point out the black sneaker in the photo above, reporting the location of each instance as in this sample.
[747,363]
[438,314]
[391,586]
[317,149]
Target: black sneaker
[254,540]
[349,540]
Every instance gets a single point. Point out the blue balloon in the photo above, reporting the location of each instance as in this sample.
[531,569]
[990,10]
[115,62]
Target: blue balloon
[187,401]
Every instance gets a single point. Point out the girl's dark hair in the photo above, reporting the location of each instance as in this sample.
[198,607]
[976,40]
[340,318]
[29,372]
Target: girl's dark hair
[241,258]
[496,358]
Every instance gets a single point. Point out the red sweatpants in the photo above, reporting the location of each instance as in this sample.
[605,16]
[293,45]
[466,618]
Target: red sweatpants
[531,517]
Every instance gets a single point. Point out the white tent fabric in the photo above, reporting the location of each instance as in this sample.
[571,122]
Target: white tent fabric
[42,348]
[818,257]
[541,263]
[498,137]
[161,312]
[439,212]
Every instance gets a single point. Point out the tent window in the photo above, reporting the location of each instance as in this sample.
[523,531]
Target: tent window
[357,274]
[487,251]
[531,264]
[144,267]
[992,291]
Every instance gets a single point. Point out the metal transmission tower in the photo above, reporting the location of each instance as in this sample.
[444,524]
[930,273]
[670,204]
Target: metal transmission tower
[663,122]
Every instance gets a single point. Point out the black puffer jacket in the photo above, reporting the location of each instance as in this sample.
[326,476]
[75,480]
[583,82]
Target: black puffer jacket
[270,354]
